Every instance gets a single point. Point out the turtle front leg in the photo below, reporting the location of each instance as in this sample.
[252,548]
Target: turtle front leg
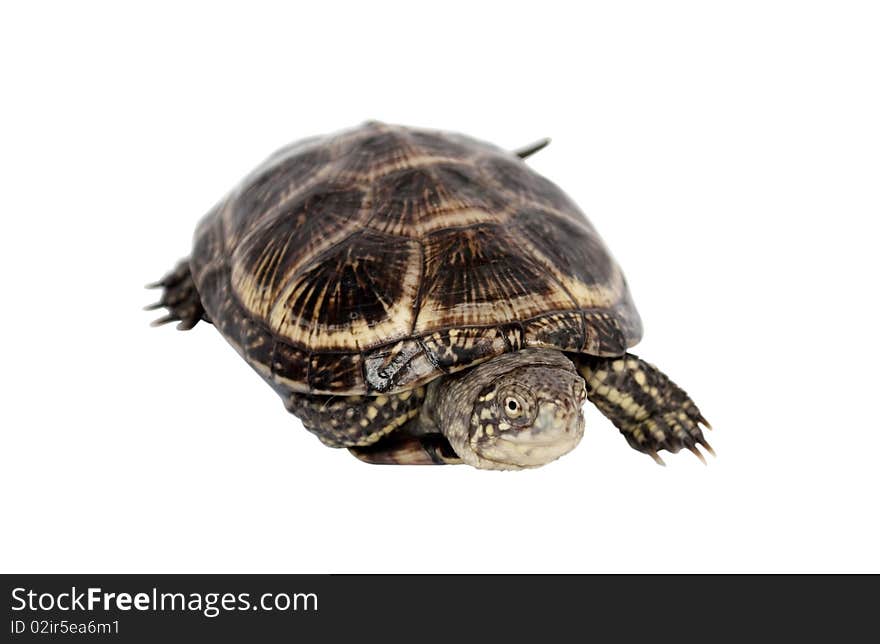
[180,297]
[650,410]
[376,429]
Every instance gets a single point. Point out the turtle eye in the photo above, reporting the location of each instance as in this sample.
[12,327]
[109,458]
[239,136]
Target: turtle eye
[512,407]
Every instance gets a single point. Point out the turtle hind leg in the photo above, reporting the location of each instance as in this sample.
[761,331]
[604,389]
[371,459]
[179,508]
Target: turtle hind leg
[180,297]
[651,411]
[402,448]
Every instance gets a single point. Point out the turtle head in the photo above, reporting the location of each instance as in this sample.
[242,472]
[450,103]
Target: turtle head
[525,411]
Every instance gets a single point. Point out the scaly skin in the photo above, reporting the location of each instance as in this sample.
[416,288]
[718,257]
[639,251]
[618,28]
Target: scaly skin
[354,421]
[651,411]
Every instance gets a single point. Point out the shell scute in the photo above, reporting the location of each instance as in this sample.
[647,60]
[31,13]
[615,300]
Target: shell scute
[476,276]
[512,176]
[290,365]
[360,288]
[401,366]
[563,331]
[335,371]
[279,246]
[272,184]
[452,348]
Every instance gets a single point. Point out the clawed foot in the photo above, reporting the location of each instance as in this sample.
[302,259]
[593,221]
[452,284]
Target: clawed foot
[180,297]
[671,431]
[651,411]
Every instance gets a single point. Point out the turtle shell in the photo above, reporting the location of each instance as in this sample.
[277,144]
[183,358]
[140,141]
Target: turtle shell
[379,258]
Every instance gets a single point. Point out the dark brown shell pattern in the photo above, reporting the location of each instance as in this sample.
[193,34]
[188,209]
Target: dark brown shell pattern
[377,259]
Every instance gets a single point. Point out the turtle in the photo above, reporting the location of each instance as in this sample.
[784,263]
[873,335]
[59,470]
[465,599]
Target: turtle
[419,296]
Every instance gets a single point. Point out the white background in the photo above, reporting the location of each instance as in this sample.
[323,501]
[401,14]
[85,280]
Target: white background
[729,153]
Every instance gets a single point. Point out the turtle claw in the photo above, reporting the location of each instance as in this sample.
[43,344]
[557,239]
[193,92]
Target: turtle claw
[671,431]
[164,320]
[653,454]
[705,445]
[696,452]
[180,297]
[186,325]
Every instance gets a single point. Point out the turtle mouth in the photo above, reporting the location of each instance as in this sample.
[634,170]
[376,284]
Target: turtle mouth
[555,433]
[511,453]
[531,442]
